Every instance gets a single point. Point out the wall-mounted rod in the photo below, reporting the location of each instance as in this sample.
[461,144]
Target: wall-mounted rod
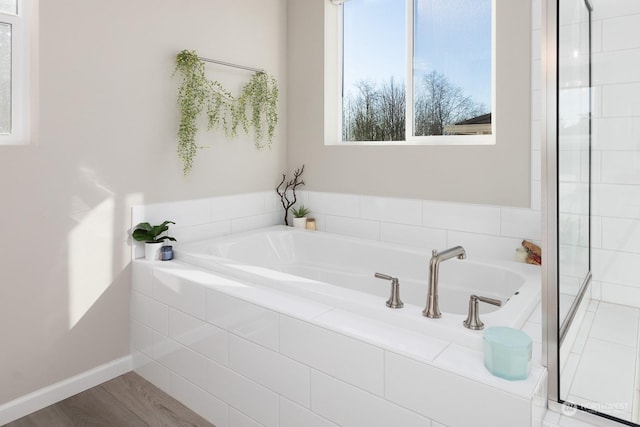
[229,64]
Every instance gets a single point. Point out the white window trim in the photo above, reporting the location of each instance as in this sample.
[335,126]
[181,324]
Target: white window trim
[19,76]
[333,45]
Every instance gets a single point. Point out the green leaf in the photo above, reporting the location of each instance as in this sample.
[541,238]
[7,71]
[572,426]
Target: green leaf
[141,235]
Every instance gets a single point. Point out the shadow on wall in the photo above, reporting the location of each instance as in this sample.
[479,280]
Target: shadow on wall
[65,280]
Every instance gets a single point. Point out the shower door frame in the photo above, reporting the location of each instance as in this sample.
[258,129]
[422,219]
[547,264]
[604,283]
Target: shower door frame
[551,326]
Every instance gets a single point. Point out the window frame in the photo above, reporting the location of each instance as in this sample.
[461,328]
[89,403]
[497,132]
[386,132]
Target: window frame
[333,74]
[20,52]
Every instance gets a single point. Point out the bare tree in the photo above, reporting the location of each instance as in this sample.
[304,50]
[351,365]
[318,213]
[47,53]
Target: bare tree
[392,105]
[375,114]
[364,113]
[440,103]
[378,113]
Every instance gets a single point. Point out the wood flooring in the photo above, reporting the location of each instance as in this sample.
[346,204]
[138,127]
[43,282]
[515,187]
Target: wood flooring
[128,401]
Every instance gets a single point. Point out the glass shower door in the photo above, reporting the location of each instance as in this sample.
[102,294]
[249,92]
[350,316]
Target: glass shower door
[574,157]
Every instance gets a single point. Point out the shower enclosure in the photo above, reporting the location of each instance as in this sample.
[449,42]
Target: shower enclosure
[592,214]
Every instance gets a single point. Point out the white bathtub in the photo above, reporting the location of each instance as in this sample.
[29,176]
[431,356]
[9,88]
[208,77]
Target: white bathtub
[339,272]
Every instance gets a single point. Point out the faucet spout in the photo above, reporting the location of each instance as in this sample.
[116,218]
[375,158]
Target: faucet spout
[432,310]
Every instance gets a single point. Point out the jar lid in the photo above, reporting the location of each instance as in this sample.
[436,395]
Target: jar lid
[508,337]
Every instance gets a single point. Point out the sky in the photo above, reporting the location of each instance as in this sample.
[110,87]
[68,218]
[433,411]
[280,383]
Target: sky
[452,37]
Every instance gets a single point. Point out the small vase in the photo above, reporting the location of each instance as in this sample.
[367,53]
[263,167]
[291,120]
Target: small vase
[152,251]
[300,222]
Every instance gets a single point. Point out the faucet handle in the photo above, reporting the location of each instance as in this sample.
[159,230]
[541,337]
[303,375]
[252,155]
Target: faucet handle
[384,276]
[473,317]
[394,298]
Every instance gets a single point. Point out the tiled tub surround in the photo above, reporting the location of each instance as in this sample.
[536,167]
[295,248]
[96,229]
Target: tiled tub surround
[241,354]
[485,231]
[205,218]
[338,271]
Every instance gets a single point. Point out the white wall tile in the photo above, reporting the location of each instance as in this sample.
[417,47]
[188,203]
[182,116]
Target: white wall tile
[620,234]
[616,31]
[141,338]
[248,397]
[621,294]
[382,334]
[178,292]
[622,66]
[536,195]
[334,204]
[184,362]
[466,363]
[320,221]
[613,384]
[617,133]
[536,136]
[349,406]
[596,290]
[239,225]
[355,227]
[596,103]
[294,415]
[603,9]
[183,213]
[596,35]
[596,168]
[237,206]
[422,237]
[428,390]
[583,333]
[353,361]
[142,277]
[521,223]
[622,201]
[536,108]
[200,232]
[238,419]
[244,319]
[399,211]
[617,324]
[536,165]
[199,336]
[273,370]
[534,330]
[621,167]
[483,246]
[536,15]
[201,402]
[272,202]
[471,218]
[616,267]
[150,312]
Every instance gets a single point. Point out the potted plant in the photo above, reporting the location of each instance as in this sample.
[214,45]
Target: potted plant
[151,236]
[300,216]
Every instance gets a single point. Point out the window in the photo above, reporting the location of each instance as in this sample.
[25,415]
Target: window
[13,72]
[415,71]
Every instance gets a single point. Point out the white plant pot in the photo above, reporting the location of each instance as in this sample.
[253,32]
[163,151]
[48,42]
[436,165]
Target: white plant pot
[300,222]
[152,251]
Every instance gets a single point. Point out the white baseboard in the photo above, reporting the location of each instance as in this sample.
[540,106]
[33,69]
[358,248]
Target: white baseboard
[49,395]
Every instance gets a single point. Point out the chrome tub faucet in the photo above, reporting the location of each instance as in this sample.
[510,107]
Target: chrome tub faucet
[432,309]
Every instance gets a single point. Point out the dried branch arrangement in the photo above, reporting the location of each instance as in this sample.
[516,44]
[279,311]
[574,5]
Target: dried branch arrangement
[285,187]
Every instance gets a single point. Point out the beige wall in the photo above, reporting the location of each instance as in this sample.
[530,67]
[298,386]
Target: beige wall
[498,174]
[106,141]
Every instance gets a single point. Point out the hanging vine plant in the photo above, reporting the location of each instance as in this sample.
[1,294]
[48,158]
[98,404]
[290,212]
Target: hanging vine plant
[256,107]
